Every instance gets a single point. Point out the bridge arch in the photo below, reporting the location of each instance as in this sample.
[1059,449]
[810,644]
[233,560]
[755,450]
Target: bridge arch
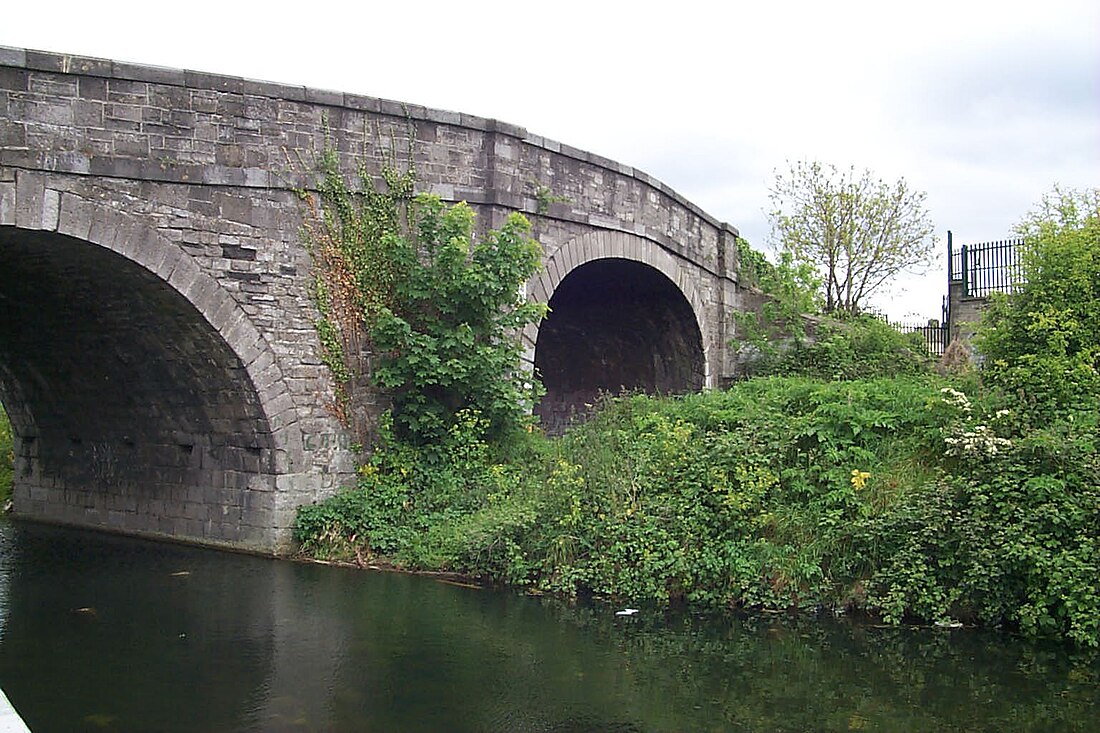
[141,395]
[625,315]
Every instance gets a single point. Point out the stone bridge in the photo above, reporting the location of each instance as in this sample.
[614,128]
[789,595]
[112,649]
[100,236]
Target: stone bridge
[157,356]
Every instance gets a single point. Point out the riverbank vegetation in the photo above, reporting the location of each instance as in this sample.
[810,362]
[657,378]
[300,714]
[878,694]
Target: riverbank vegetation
[416,311]
[7,458]
[849,476]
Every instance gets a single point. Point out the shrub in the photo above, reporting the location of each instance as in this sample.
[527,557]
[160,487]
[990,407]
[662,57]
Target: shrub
[412,304]
[1042,343]
[861,347]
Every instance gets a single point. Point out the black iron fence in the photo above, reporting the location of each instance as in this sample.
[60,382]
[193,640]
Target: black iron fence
[985,268]
[981,269]
[934,333]
[934,337]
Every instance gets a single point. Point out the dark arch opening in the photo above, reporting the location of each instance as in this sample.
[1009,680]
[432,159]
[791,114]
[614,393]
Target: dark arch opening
[615,325]
[129,410]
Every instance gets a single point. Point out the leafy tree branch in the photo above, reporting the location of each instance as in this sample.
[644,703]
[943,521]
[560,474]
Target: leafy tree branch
[859,231]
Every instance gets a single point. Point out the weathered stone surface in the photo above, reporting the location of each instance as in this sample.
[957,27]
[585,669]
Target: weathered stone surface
[157,351]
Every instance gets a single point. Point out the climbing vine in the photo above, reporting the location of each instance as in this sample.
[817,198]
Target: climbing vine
[7,457]
[413,309]
[545,197]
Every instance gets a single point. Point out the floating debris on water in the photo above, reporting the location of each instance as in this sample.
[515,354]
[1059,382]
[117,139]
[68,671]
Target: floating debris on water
[456,583]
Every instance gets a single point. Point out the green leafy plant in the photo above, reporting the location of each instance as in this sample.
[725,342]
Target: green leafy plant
[858,231]
[413,306]
[7,457]
[859,347]
[792,291]
[545,197]
[1043,341]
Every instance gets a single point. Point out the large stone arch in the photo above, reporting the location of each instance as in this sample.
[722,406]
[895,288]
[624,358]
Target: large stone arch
[609,256]
[201,459]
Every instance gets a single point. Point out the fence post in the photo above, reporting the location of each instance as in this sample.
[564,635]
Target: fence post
[945,317]
[950,257]
[965,271]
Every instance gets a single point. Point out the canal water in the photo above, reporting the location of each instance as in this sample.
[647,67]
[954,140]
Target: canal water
[107,633]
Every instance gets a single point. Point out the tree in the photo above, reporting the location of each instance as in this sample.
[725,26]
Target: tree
[859,231]
[1044,339]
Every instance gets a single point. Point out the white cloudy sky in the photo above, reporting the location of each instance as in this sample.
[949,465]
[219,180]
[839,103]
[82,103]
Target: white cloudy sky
[983,105]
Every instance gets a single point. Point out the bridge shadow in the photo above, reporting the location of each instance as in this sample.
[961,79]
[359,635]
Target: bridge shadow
[615,325]
[130,410]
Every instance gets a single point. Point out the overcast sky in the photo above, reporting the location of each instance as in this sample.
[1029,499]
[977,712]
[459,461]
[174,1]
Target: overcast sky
[983,105]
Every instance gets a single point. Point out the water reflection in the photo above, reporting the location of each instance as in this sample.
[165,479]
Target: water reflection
[109,633]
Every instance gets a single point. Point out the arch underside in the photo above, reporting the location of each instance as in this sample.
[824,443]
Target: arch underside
[615,325]
[130,411]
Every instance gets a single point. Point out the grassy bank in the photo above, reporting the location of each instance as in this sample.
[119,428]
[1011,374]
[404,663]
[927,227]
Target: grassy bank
[900,497]
[851,479]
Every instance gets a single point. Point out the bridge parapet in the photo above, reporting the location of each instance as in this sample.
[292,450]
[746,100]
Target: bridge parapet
[96,117]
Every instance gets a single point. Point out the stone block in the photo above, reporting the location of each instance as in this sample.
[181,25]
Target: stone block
[75,219]
[324,97]
[220,175]
[273,90]
[183,273]
[148,73]
[91,89]
[12,56]
[29,198]
[214,82]
[7,204]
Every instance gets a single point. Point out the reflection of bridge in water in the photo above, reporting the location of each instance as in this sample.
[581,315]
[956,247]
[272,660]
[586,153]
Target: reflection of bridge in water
[157,354]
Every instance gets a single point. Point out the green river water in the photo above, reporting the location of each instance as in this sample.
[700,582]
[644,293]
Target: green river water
[107,633]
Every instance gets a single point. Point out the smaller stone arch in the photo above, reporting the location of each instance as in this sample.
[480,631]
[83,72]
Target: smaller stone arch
[625,314]
[612,244]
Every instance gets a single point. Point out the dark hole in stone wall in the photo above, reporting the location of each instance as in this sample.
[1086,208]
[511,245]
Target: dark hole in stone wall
[115,384]
[615,326]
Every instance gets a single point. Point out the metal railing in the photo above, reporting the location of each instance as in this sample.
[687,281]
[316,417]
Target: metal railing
[985,268]
[935,335]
